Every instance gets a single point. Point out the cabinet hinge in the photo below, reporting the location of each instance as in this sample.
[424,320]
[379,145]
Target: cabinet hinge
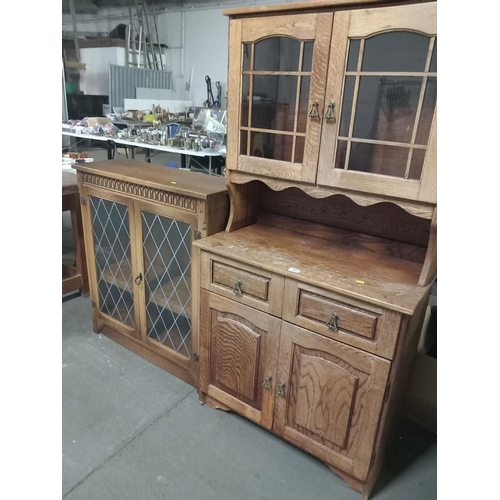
[197,235]
[196,357]
[93,303]
[83,200]
[387,390]
[372,461]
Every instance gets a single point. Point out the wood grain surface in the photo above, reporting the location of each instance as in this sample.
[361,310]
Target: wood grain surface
[377,279]
[195,184]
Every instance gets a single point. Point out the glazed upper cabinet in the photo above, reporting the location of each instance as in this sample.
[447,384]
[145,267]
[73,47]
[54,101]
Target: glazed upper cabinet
[345,99]
[281,66]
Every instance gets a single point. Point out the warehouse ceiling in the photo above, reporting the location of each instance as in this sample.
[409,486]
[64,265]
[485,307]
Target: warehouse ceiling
[93,6]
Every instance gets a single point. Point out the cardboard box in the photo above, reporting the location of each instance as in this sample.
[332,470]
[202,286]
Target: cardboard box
[92,121]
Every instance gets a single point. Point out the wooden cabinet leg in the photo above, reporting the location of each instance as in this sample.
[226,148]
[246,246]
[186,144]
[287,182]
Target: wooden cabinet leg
[213,403]
[97,326]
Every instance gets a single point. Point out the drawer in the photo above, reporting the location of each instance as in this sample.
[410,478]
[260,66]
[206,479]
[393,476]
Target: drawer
[251,286]
[342,318]
[240,281]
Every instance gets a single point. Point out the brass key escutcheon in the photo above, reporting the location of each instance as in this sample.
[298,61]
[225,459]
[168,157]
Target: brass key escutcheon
[267,382]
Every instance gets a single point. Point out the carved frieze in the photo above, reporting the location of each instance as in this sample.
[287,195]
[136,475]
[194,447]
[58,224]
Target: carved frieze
[140,191]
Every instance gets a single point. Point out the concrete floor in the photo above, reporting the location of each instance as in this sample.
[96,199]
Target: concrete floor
[131,431]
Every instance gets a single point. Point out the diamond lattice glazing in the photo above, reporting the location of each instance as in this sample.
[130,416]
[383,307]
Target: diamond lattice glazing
[167,262]
[110,227]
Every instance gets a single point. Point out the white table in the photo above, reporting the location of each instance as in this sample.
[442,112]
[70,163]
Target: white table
[107,141]
[113,142]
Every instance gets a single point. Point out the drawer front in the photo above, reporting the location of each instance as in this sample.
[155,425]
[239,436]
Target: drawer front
[348,320]
[240,281]
[336,315]
[245,284]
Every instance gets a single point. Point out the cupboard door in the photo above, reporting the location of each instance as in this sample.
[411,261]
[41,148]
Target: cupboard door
[329,398]
[238,356]
[164,249]
[383,82]
[277,70]
[112,268]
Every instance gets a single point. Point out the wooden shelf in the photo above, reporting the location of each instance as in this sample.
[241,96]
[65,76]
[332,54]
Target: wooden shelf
[341,261]
[175,302]
[114,275]
[75,65]
[71,279]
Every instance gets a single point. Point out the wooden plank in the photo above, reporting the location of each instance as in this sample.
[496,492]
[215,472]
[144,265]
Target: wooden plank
[317,94]
[385,281]
[419,209]
[428,184]
[262,280]
[272,168]
[299,6]
[334,84]
[375,183]
[71,279]
[302,27]
[234,84]
[195,184]
[417,17]
[243,199]
[195,316]
[429,269]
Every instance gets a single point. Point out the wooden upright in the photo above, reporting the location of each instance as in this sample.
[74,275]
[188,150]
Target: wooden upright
[311,302]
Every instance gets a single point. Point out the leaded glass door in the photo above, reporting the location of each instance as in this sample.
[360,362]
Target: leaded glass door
[113,262]
[166,238]
[382,136]
[279,66]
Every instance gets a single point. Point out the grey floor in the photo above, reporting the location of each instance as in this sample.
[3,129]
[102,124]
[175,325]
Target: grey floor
[131,431]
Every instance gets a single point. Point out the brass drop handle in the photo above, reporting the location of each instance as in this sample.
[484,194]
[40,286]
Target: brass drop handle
[332,323]
[237,288]
[313,112]
[267,382]
[329,114]
[281,390]
[138,279]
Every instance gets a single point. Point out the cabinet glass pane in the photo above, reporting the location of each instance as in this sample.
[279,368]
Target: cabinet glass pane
[243,142]
[110,228]
[341,154]
[386,108]
[345,119]
[378,159]
[427,113]
[277,54]
[247,51]
[273,105]
[305,84]
[307,57]
[274,146]
[417,162]
[352,58]
[167,264]
[245,96]
[395,51]
[433,67]
[299,149]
